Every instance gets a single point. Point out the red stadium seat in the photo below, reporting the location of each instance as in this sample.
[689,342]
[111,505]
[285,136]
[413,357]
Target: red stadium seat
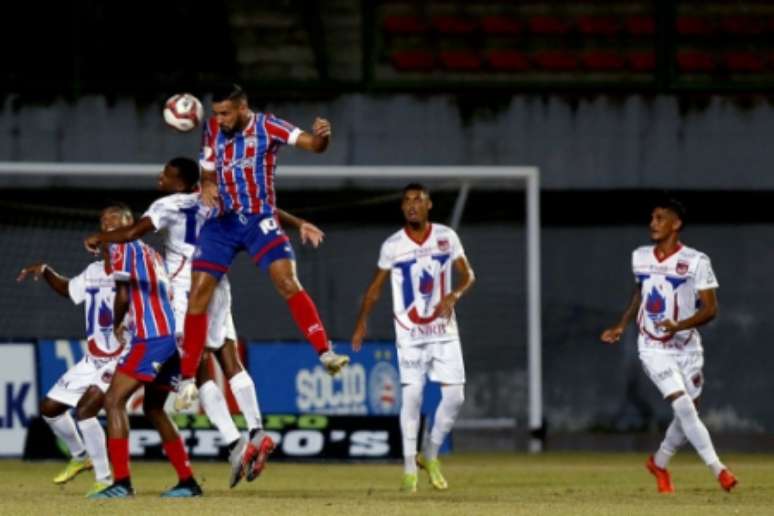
[460,60]
[741,25]
[640,25]
[603,61]
[598,25]
[507,60]
[556,61]
[694,26]
[453,24]
[405,25]
[743,62]
[694,61]
[501,25]
[413,60]
[641,61]
[548,25]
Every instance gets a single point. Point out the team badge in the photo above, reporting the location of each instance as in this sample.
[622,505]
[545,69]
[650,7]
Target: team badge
[443,244]
[682,268]
[107,376]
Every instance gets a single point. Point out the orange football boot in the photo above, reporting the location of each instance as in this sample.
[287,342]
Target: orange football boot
[663,478]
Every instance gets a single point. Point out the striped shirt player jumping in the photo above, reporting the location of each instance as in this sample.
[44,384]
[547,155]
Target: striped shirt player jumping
[142,297]
[238,159]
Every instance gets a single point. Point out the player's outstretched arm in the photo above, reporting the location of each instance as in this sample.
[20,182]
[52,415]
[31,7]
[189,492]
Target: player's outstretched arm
[55,280]
[316,141]
[466,279]
[614,333]
[372,295]
[309,232]
[120,235]
[707,311]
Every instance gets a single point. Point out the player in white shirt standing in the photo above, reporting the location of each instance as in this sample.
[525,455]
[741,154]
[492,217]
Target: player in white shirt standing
[674,294]
[83,386]
[420,258]
[181,215]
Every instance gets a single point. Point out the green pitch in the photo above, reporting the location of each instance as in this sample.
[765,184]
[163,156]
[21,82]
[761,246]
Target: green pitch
[554,483]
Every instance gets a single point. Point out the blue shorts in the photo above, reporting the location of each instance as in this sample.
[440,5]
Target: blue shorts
[152,361]
[221,238]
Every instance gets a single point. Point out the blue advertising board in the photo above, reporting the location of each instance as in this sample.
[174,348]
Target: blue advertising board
[289,379]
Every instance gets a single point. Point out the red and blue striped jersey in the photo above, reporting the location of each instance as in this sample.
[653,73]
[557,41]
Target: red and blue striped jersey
[245,161]
[150,306]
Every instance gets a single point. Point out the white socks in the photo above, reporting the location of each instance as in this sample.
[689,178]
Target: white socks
[696,432]
[64,428]
[214,405]
[94,439]
[243,388]
[673,441]
[411,404]
[452,397]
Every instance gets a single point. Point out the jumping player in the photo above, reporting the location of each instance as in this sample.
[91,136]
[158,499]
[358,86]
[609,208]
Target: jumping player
[238,159]
[419,258]
[674,295]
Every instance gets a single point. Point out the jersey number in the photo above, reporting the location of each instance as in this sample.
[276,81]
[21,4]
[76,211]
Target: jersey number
[190,224]
[268,225]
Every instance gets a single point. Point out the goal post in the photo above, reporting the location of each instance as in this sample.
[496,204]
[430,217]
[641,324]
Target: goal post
[60,173]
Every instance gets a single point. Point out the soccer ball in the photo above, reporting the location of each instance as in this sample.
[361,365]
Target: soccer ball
[183,112]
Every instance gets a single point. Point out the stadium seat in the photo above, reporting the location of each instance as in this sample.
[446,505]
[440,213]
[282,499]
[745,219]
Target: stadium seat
[603,61]
[548,25]
[556,61]
[501,25]
[460,60]
[743,62]
[741,25]
[413,60]
[694,26]
[453,24]
[693,61]
[640,26]
[506,60]
[641,61]
[405,25]
[598,25]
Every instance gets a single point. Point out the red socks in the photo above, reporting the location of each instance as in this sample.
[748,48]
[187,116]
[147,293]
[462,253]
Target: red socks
[308,320]
[194,335]
[177,455]
[119,457]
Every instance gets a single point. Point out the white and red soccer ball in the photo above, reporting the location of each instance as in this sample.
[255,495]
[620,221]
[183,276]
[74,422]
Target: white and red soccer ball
[183,112]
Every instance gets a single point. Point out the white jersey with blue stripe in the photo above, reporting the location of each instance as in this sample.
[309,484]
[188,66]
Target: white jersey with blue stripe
[421,274]
[670,290]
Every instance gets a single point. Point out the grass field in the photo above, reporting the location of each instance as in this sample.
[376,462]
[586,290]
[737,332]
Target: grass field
[615,484]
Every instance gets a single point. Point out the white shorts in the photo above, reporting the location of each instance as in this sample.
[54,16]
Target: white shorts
[441,361]
[76,380]
[673,372]
[220,323]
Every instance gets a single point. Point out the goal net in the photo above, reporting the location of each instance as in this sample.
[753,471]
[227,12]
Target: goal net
[47,208]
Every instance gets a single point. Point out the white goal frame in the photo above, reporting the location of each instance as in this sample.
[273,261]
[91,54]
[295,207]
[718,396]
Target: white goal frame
[467,175]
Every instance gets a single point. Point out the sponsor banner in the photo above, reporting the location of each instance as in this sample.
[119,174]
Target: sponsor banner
[18,395]
[298,437]
[290,379]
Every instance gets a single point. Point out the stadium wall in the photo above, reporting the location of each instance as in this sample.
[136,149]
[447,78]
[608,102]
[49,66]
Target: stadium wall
[577,142]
